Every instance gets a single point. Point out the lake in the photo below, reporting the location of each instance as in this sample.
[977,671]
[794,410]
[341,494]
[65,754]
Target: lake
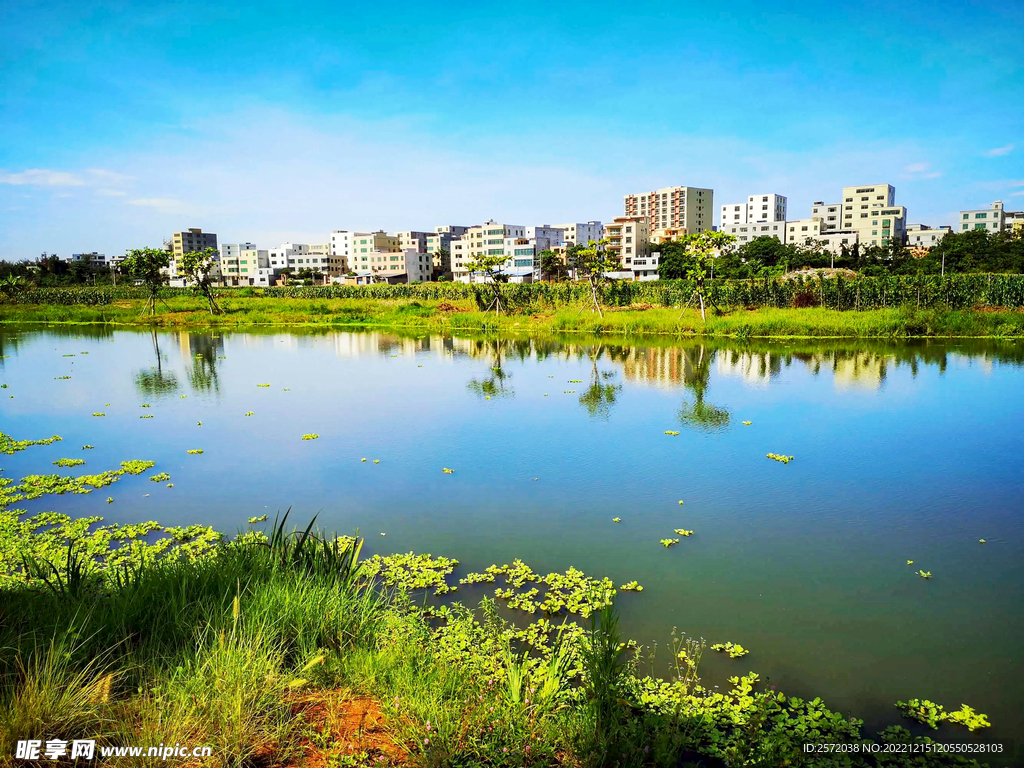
[901,452]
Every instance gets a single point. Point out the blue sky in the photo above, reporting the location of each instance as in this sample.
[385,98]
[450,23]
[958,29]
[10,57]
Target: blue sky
[121,122]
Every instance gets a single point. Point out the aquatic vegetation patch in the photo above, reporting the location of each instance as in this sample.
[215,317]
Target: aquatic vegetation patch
[411,572]
[779,457]
[99,414]
[669,542]
[10,446]
[259,519]
[925,574]
[160,478]
[60,378]
[69,462]
[683,532]
[146,416]
[194,451]
[262,385]
[448,471]
[37,486]
[632,586]
[572,592]
[735,650]
[931,714]
[145,405]
[249,413]
[746,423]
[87,447]
[672,432]
[616,519]
[310,436]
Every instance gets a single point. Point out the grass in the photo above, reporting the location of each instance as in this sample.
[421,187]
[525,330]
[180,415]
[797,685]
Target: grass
[241,312]
[229,649]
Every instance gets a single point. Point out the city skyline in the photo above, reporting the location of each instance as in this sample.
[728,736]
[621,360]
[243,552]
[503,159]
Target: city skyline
[121,126]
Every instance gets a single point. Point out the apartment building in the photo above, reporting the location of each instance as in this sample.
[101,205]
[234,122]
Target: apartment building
[666,235]
[923,236]
[230,266]
[188,241]
[439,245]
[811,233]
[803,231]
[341,246]
[871,212]
[628,238]
[414,240]
[757,208]
[994,219]
[364,244]
[689,208]
[487,239]
[831,215]
[581,233]
[254,267]
[93,259]
[406,266]
[744,233]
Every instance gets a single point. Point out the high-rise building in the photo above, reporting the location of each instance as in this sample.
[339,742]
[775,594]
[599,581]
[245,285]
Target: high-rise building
[188,241]
[689,208]
[230,263]
[411,239]
[831,215]
[439,245]
[363,244]
[872,213]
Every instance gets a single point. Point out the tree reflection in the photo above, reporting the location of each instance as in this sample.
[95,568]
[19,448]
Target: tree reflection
[203,349]
[495,384]
[599,397]
[156,381]
[698,413]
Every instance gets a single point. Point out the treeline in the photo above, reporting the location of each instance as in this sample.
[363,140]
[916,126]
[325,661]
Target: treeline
[54,271]
[957,253]
[954,291]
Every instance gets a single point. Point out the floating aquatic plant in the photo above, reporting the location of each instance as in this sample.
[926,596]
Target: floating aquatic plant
[87,447]
[10,446]
[262,385]
[194,451]
[616,519]
[69,462]
[170,485]
[183,396]
[779,457]
[925,574]
[735,650]
[110,499]
[569,392]
[683,532]
[411,572]
[99,414]
[199,423]
[145,405]
[249,413]
[669,542]
[310,436]
[363,459]
[448,471]
[910,562]
[680,502]
[982,541]
[671,432]
[160,478]
[746,423]
[376,461]
[632,586]
[146,416]
[59,378]
[575,381]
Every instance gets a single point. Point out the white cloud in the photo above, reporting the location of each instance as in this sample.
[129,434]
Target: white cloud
[1015,194]
[920,171]
[167,205]
[917,168]
[41,177]
[999,151]
[111,192]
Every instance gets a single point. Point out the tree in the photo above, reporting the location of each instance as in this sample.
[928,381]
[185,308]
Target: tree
[593,263]
[702,247]
[491,267]
[148,265]
[551,265]
[196,267]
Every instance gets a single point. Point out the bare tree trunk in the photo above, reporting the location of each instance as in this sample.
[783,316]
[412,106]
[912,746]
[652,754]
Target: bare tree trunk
[593,293]
[703,316]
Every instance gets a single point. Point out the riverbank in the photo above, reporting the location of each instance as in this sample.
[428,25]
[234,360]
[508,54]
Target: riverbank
[464,316]
[281,647]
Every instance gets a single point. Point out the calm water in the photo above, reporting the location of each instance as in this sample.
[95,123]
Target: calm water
[902,452]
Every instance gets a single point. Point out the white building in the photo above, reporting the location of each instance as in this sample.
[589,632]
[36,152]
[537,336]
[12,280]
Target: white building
[411,239]
[581,233]
[95,259]
[923,236]
[811,233]
[744,233]
[440,242]
[994,219]
[831,215]
[406,266]
[341,246]
[873,213]
[645,267]
[763,207]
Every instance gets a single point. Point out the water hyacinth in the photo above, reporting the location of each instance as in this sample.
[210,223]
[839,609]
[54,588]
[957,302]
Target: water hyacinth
[669,542]
[87,447]
[779,457]
[671,432]
[249,413]
[59,378]
[632,586]
[194,451]
[9,446]
[310,436]
[146,416]
[683,532]
[448,471]
[925,574]
[69,462]
[263,385]
[99,414]
[747,423]
[616,519]
[735,650]
[161,477]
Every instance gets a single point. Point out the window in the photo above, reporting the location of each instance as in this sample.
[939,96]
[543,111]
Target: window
[849,207]
[981,215]
[803,229]
[874,232]
[967,215]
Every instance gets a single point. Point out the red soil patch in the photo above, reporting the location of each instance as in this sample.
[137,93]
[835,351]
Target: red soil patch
[345,727]
[447,306]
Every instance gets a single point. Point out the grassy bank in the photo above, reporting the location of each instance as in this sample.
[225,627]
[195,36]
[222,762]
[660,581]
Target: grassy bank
[287,649]
[464,316]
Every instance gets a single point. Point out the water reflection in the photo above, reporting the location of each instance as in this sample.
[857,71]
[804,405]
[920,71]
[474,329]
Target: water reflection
[155,381]
[495,383]
[599,397]
[202,350]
